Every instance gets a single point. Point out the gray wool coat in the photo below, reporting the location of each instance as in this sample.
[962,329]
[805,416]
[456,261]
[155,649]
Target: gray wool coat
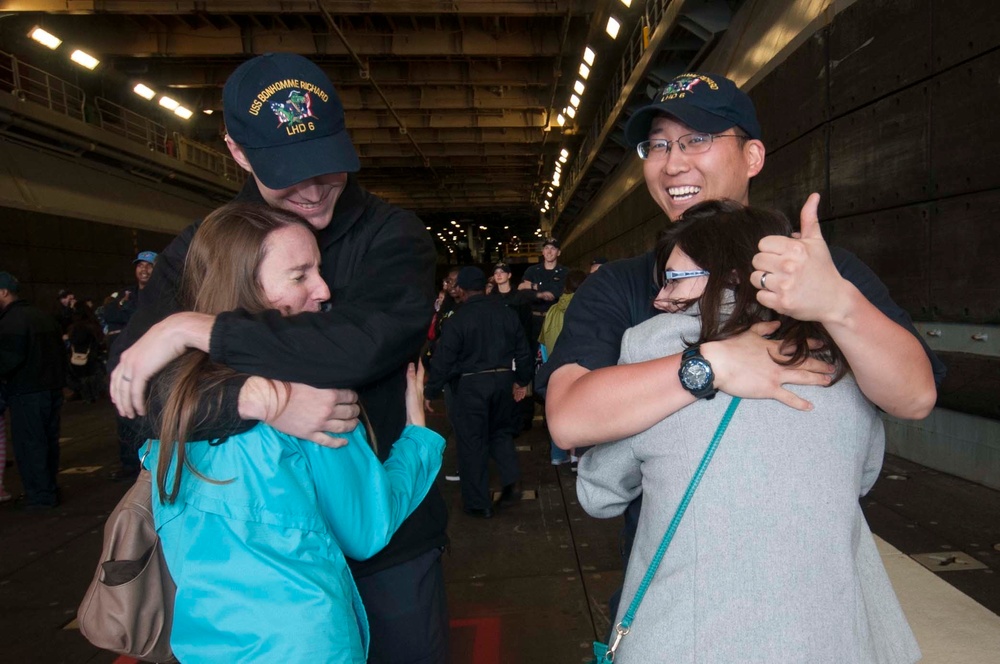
[773,562]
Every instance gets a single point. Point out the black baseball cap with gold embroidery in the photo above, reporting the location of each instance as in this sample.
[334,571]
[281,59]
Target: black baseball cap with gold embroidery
[705,102]
[285,114]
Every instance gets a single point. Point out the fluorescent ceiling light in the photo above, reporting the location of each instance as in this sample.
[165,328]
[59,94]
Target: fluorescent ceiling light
[588,56]
[584,71]
[183,112]
[574,101]
[627,3]
[564,152]
[571,112]
[45,38]
[168,103]
[84,59]
[482,228]
[428,228]
[613,27]
[143,91]
[208,111]
[562,159]
[579,87]
[548,194]
[560,119]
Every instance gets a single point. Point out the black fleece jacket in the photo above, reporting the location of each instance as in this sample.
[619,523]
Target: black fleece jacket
[378,261]
[32,354]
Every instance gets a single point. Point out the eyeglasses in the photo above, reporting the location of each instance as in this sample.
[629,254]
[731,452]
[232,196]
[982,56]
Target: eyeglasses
[659,148]
[670,276]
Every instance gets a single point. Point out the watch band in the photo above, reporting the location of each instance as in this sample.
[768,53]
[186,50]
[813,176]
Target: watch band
[693,356]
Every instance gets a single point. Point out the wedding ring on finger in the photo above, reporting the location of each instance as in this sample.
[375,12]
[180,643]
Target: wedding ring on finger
[763,281]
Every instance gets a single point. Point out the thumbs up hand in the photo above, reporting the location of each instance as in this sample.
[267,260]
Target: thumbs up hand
[796,275]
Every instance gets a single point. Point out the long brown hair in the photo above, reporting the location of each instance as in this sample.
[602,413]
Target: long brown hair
[722,237]
[220,274]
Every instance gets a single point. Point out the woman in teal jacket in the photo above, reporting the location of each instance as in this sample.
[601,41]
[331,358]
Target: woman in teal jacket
[255,527]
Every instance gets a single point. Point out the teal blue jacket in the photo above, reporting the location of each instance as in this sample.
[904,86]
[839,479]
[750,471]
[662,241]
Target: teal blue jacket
[257,550]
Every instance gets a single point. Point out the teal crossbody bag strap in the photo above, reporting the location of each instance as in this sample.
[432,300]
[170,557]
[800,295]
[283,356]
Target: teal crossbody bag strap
[606,655]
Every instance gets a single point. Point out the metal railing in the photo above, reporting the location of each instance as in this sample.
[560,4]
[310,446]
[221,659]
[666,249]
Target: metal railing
[202,156]
[137,128]
[31,84]
[517,252]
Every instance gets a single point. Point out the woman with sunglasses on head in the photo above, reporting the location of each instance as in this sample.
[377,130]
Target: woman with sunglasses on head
[255,527]
[773,561]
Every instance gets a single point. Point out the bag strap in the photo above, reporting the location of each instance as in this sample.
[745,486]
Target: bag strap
[623,627]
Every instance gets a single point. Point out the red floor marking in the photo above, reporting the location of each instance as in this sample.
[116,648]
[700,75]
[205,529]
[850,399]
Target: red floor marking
[486,644]
[126,660]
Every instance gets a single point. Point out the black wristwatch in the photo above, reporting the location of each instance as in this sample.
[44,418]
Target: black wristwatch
[696,374]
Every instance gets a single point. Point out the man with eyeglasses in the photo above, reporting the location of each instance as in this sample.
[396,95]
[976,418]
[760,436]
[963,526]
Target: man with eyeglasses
[699,139]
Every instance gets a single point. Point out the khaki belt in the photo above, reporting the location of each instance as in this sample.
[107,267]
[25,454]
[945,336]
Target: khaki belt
[476,373]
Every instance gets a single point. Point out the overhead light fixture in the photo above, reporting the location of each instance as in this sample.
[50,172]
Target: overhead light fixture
[563,159]
[574,101]
[482,228]
[579,87]
[84,59]
[627,3]
[506,228]
[168,103]
[570,111]
[45,38]
[143,91]
[183,112]
[560,119]
[548,194]
[584,71]
[613,27]
[428,228]
[564,152]
[588,56]
[208,111]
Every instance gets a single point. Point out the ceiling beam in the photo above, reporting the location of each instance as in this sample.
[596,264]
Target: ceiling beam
[343,7]
[105,36]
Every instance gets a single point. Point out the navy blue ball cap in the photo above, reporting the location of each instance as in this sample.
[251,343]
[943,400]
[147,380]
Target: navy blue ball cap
[705,102]
[471,278]
[285,114]
[9,282]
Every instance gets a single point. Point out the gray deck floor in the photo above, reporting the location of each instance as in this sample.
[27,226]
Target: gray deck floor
[530,585]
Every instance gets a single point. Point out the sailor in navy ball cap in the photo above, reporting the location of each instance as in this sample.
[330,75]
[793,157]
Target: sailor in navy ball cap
[285,127]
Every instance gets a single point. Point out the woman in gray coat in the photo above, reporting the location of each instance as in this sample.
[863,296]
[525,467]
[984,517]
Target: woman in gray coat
[773,561]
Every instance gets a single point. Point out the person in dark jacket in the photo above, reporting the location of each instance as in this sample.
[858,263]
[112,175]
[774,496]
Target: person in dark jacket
[483,354]
[117,314]
[378,262]
[31,366]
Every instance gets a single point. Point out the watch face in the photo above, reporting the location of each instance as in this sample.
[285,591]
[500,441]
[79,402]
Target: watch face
[696,374]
